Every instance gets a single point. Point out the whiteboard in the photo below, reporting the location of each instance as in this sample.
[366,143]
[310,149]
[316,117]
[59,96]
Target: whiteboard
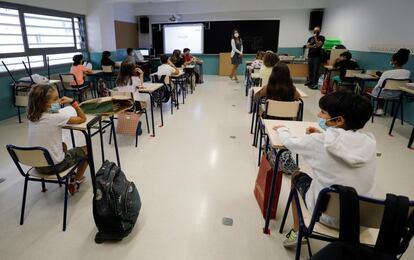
[180,36]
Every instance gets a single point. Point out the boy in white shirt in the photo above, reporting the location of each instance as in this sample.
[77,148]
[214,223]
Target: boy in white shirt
[340,154]
[166,68]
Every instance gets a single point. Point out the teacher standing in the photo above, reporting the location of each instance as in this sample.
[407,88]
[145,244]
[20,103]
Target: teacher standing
[314,45]
[236,54]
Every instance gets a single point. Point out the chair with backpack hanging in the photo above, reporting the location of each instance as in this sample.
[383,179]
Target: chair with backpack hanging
[392,219]
[163,94]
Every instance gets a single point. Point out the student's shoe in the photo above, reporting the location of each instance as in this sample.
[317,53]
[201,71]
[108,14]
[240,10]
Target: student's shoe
[72,187]
[291,239]
[379,112]
[308,83]
[139,128]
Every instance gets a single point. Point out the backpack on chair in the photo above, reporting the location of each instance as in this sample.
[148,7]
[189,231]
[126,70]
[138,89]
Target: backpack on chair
[163,94]
[103,90]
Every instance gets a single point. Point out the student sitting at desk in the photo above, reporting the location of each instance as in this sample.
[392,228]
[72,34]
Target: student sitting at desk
[131,56]
[79,71]
[258,62]
[269,61]
[341,154]
[191,60]
[166,68]
[45,130]
[106,59]
[131,79]
[176,59]
[343,63]
[398,60]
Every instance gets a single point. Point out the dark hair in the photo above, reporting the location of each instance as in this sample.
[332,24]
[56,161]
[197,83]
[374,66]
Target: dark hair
[106,54]
[354,108]
[401,56]
[347,55]
[77,59]
[176,56]
[125,74]
[186,49]
[129,51]
[280,86]
[39,96]
[260,54]
[232,35]
[164,58]
[270,59]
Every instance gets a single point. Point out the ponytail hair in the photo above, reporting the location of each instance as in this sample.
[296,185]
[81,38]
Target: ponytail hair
[39,96]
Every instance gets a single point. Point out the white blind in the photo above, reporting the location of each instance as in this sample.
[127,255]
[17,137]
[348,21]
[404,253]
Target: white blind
[10,31]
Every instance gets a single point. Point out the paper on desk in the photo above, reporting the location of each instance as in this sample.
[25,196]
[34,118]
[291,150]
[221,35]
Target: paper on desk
[68,110]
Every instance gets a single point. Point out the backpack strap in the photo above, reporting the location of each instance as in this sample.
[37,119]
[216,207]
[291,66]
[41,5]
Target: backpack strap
[393,224]
[349,214]
[409,233]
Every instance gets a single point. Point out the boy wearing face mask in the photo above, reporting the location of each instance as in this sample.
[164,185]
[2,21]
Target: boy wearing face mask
[342,153]
[314,44]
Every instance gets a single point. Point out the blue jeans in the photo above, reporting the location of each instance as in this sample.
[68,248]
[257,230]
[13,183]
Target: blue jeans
[314,63]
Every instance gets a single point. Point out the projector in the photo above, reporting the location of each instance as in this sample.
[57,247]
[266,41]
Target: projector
[175,18]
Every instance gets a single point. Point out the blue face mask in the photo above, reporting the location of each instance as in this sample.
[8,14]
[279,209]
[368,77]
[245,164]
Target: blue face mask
[322,122]
[54,108]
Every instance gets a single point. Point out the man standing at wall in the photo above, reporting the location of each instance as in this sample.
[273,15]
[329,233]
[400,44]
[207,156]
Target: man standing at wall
[315,56]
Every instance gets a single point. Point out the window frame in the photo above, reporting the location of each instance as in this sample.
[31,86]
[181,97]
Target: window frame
[22,9]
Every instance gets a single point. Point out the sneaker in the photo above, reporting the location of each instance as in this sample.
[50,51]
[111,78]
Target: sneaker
[291,239]
[72,187]
[379,112]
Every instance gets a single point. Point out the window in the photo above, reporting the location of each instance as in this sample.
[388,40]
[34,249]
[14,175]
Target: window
[16,63]
[55,59]
[36,35]
[10,31]
[48,31]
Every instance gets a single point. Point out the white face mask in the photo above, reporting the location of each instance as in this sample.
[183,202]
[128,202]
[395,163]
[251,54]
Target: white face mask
[236,35]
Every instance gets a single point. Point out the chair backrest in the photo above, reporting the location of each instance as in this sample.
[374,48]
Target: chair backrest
[107,69]
[335,53]
[67,78]
[394,84]
[370,210]
[282,108]
[122,93]
[352,73]
[29,156]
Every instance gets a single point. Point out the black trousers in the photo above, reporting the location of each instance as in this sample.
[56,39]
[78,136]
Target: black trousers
[314,63]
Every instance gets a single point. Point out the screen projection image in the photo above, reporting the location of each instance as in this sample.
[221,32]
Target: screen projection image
[180,36]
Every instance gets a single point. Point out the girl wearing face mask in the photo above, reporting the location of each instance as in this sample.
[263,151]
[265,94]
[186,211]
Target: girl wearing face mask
[45,130]
[236,54]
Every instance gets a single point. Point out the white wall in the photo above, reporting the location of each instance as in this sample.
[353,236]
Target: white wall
[363,23]
[125,12]
[293,31]
[101,27]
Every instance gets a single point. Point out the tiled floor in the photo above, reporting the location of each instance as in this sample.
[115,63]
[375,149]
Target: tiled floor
[190,176]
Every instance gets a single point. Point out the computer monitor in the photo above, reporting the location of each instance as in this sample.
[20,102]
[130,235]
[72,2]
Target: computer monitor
[144,52]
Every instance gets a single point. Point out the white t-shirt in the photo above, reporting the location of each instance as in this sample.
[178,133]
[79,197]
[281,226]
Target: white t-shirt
[265,74]
[391,74]
[47,133]
[165,69]
[135,82]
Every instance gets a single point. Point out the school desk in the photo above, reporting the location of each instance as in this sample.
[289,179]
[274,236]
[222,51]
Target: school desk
[150,88]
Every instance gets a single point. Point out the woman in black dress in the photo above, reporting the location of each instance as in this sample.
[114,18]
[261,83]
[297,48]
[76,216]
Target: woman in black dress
[236,53]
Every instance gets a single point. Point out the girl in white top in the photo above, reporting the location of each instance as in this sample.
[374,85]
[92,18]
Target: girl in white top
[236,53]
[397,61]
[45,130]
[341,154]
[131,79]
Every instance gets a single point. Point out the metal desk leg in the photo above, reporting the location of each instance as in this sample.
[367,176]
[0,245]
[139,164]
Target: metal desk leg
[253,115]
[18,113]
[162,119]
[395,116]
[272,191]
[115,142]
[410,142]
[101,138]
[91,163]
[73,138]
[152,115]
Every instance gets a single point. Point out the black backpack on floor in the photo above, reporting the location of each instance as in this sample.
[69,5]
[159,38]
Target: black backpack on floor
[394,235]
[116,204]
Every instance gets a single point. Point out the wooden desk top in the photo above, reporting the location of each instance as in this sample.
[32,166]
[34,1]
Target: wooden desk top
[365,76]
[150,87]
[118,63]
[256,75]
[189,67]
[80,127]
[297,128]
[301,92]
[179,75]
[94,72]
[328,67]
[407,89]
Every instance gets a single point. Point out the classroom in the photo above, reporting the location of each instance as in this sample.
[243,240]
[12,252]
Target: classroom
[195,129]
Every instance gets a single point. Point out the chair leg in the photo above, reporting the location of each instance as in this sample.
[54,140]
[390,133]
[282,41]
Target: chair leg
[43,186]
[402,112]
[65,204]
[386,107]
[24,201]
[309,247]
[146,120]
[285,214]
[260,146]
[110,134]
[373,110]
[298,245]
